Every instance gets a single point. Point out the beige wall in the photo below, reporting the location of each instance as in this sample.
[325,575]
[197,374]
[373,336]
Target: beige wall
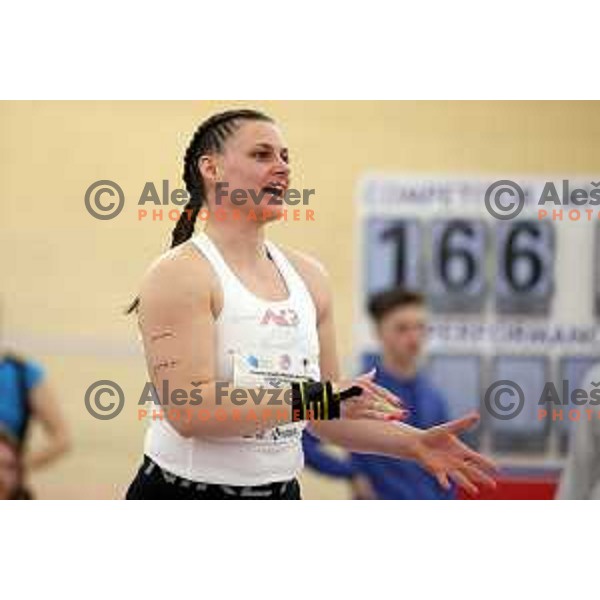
[66,276]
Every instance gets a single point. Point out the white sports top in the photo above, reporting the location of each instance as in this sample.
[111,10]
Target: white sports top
[279,337]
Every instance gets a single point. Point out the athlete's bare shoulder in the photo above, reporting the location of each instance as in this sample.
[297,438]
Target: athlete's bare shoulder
[314,275]
[179,279]
[309,265]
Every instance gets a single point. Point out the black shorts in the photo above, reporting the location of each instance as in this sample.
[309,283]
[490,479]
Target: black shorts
[155,483]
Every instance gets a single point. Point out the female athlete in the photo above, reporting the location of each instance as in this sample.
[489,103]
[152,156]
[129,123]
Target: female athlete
[226,316]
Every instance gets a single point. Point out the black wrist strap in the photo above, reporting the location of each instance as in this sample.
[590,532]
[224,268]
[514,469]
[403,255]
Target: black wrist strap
[316,400]
[355,390]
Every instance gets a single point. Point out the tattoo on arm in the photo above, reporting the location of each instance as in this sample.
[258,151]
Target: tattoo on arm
[164,364]
[162,335]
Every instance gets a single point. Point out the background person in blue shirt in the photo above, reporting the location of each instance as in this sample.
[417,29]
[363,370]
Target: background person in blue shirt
[25,399]
[400,319]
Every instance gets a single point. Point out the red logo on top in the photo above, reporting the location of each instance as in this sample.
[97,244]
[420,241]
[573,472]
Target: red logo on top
[285,317]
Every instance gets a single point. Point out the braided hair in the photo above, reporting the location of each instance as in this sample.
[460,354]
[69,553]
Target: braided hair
[210,137]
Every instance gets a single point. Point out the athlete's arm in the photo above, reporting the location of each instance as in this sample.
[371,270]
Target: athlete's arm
[356,436]
[437,449]
[177,322]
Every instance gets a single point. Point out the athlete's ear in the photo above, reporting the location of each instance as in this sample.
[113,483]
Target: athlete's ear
[209,168]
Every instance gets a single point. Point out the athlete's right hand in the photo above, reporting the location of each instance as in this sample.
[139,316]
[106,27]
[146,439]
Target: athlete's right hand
[375,402]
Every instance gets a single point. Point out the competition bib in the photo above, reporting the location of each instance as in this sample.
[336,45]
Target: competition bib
[269,372]
[252,371]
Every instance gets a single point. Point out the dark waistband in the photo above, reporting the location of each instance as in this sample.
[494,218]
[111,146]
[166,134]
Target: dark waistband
[267,490]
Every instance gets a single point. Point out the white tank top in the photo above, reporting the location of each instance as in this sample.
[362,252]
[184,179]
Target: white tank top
[278,336]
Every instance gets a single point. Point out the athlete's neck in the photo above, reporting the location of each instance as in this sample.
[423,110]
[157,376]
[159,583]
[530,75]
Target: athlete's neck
[242,242]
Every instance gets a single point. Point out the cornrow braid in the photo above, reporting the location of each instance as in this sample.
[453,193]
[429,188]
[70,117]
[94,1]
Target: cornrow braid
[209,138]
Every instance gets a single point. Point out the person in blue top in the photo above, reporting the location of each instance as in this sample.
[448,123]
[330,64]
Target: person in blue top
[400,320]
[26,397]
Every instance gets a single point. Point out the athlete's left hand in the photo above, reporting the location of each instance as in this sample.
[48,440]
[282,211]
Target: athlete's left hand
[374,402]
[441,452]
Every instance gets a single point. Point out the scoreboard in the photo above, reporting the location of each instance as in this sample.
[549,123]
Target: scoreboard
[509,299]
[448,260]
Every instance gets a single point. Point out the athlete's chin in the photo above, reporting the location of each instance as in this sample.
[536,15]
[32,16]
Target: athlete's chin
[272,212]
